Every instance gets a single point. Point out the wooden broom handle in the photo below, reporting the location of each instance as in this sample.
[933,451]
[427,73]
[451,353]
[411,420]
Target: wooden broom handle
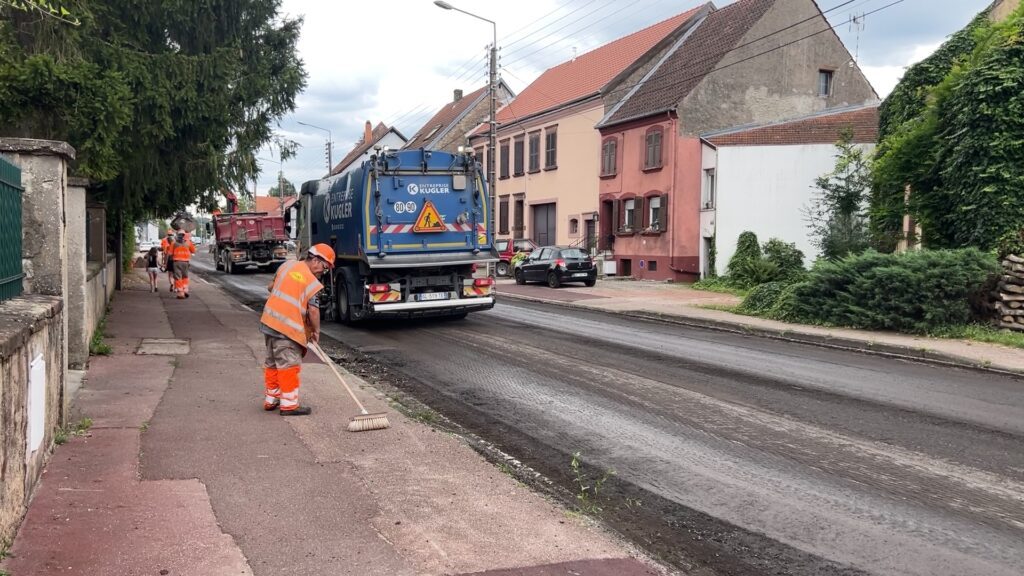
[330,364]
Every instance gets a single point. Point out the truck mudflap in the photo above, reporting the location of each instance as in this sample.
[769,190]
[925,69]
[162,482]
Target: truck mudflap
[435,307]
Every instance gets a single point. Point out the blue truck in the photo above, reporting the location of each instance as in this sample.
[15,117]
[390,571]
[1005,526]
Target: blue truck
[410,229]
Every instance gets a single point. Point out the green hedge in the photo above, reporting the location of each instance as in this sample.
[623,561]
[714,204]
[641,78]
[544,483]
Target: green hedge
[915,292]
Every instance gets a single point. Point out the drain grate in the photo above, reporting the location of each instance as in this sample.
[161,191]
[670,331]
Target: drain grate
[163,347]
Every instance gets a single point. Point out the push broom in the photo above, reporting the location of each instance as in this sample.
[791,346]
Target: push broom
[360,422]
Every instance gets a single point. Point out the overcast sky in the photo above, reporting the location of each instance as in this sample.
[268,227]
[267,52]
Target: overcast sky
[398,61]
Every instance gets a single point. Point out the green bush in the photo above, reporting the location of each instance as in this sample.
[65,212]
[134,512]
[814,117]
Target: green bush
[914,292]
[754,272]
[785,305]
[762,298]
[788,259]
[747,250]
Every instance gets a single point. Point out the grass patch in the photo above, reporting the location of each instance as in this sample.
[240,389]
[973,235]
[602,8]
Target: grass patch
[732,308]
[982,333]
[588,489]
[61,435]
[720,285]
[97,347]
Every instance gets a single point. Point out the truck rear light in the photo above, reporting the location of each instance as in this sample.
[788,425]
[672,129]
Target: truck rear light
[483,282]
[379,288]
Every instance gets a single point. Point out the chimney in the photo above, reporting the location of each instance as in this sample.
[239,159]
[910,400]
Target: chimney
[368,133]
[458,95]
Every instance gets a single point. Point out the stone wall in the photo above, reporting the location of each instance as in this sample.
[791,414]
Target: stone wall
[1008,298]
[99,290]
[31,329]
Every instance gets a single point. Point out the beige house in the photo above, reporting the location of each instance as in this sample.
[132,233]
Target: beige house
[548,162]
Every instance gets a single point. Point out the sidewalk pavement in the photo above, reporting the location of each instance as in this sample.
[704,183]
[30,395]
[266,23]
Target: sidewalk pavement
[681,304]
[183,473]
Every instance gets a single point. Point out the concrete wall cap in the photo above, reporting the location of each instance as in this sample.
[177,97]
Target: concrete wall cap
[22,316]
[36,147]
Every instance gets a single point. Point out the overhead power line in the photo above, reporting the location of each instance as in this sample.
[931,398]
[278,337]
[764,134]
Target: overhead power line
[829,27]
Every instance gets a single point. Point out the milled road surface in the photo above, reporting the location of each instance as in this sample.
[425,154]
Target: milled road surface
[735,454]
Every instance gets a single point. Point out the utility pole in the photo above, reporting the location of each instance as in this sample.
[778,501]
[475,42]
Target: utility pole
[492,144]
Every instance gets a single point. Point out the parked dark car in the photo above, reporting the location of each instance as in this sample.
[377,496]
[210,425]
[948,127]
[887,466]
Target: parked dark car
[507,248]
[556,266]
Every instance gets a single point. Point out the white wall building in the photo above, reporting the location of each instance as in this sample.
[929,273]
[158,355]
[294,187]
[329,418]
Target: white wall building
[762,177]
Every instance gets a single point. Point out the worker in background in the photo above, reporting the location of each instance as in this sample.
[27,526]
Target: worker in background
[183,250]
[290,321]
[166,246]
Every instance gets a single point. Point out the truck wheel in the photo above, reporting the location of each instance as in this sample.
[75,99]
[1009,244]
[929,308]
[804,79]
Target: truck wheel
[502,268]
[217,263]
[341,293]
[229,266]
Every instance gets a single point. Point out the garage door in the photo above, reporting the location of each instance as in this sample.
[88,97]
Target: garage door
[544,224]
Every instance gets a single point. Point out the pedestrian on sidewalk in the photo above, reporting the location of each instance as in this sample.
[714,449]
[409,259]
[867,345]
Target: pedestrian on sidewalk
[166,246]
[153,266]
[182,251]
[291,319]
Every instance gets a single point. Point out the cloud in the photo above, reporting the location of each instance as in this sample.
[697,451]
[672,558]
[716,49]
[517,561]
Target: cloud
[399,61]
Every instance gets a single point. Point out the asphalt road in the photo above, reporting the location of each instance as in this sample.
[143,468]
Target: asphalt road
[733,454]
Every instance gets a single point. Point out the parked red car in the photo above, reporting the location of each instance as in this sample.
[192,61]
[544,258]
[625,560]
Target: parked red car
[507,248]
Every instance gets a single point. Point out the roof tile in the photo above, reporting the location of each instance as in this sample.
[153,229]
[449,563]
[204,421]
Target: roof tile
[444,117]
[698,55]
[380,131]
[820,128]
[586,74]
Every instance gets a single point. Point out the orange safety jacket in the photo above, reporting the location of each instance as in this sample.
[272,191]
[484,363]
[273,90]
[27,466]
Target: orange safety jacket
[183,252]
[285,310]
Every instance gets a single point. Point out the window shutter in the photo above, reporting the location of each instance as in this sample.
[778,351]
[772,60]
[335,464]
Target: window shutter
[638,213]
[664,212]
[616,215]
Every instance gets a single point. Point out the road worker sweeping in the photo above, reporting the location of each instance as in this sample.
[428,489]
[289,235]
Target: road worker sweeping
[290,323]
[182,249]
[166,246]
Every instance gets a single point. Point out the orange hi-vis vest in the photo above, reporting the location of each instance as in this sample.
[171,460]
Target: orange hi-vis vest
[183,252]
[285,310]
[165,246]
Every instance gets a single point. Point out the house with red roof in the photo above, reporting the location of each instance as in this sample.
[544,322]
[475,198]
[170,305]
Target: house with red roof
[273,205]
[546,166]
[449,128]
[751,63]
[379,135]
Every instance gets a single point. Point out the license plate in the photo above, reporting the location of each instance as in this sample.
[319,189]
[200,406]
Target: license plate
[431,296]
[580,275]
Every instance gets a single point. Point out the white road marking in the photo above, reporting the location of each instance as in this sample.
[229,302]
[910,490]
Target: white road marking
[247,308]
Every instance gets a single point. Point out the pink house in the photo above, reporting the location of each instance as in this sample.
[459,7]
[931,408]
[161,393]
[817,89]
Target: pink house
[736,66]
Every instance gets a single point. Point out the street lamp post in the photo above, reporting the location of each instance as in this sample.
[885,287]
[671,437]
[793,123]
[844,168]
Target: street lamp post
[492,145]
[330,145]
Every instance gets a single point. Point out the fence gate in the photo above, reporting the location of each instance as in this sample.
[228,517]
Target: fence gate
[10,230]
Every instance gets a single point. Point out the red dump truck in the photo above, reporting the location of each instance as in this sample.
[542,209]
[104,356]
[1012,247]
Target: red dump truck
[247,239]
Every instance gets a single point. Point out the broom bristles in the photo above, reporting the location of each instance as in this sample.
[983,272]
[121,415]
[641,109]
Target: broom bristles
[365,422]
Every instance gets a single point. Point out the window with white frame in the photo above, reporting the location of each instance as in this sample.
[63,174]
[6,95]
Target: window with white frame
[709,191]
[654,212]
[627,210]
